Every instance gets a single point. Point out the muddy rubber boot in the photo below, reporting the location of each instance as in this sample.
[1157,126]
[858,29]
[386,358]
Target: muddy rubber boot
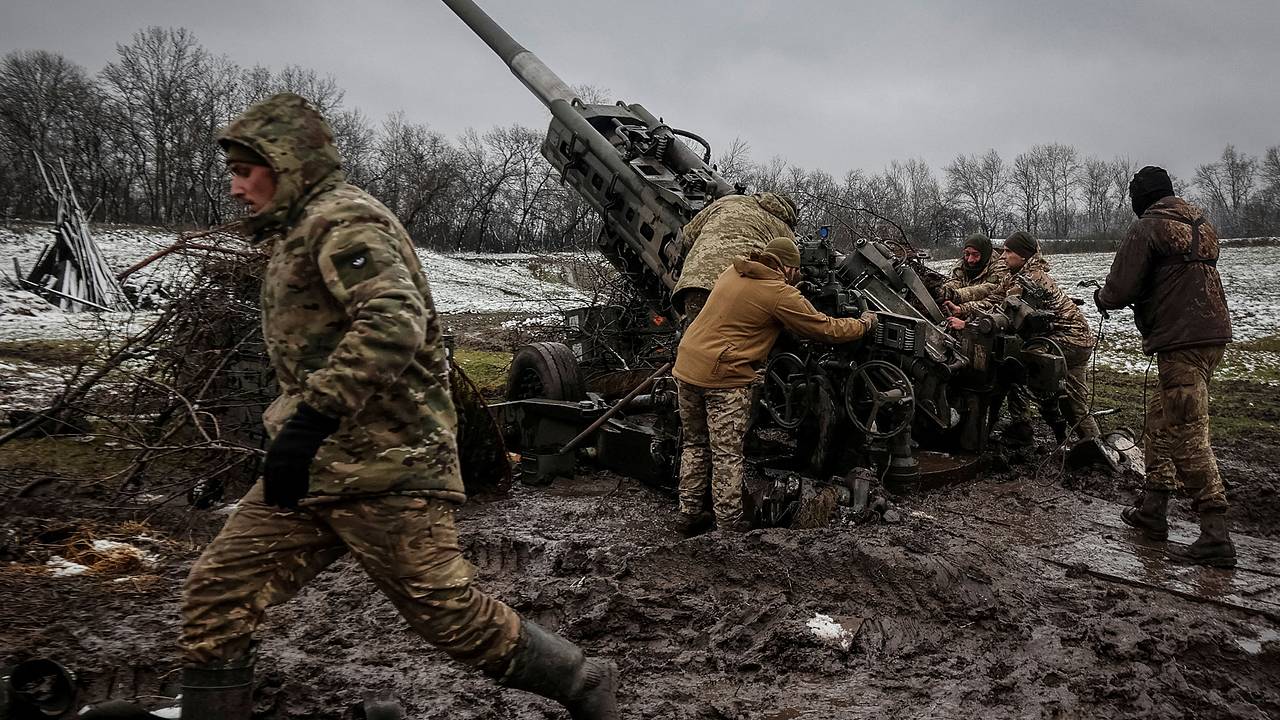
[1019,434]
[1214,547]
[548,665]
[1059,431]
[218,692]
[1150,515]
[691,525]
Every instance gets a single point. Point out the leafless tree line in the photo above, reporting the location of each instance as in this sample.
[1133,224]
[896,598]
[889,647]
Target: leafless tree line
[136,140]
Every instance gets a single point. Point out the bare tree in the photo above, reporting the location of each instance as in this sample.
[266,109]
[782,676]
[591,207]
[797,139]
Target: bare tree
[1226,187]
[734,162]
[978,183]
[155,83]
[1062,180]
[1027,178]
[1097,186]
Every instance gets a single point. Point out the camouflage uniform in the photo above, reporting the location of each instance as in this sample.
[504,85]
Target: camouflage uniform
[1177,448]
[982,292]
[713,423]
[1071,332]
[732,226]
[351,329]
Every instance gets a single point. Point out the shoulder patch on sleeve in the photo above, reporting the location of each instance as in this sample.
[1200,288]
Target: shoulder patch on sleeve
[355,264]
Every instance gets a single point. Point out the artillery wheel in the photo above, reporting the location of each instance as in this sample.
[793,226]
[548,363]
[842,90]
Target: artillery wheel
[879,399]
[785,392]
[545,370]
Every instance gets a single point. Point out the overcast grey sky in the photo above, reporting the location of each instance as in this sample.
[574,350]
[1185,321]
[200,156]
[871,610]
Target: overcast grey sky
[832,84]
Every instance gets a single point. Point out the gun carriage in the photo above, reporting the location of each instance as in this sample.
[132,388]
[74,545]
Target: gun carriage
[876,404]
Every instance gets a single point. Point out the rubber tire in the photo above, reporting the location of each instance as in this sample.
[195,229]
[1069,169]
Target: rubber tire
[556,371]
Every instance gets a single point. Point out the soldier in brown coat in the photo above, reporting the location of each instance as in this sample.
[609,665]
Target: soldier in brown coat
[719,357]
[1166,268]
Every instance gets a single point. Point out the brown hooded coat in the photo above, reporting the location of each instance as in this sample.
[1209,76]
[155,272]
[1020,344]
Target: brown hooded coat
[1175,290]
[749,306]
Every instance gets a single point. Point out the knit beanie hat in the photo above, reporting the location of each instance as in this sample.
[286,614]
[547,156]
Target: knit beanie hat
[1149,185]
[1022,243]
[783,250]
[982,244]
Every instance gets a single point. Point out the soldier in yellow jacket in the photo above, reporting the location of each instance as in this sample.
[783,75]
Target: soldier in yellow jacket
[363,457]
[719,357]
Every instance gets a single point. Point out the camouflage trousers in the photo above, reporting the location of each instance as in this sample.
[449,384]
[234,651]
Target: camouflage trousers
[408,546]
[1176,440]
[1071,406]
[713,425]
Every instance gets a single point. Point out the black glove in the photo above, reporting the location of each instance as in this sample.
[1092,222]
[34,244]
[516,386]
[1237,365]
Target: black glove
[286,474]
[1097,300]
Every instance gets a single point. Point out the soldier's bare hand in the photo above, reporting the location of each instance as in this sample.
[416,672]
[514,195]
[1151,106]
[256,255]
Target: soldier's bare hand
[956,323]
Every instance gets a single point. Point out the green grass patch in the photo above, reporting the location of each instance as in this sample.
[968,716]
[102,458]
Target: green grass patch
[47,352]
[486,368]
[1270,343]
[1240,411]
[60,456]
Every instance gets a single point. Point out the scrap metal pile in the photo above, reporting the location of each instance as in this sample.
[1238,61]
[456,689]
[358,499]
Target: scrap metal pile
[71,272]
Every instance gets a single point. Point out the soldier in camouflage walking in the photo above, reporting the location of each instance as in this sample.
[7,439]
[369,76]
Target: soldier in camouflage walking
[1166,268]
[363,457]
[718,360]
[1029,277]
[978,281]
[733,226]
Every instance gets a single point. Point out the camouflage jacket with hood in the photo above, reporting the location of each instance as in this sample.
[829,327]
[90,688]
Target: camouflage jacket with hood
[348,317]
[1070,326]
[984,291]
[731,227]
[1173,286]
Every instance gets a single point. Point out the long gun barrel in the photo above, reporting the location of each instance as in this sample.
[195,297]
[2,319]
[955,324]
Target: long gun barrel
[628,164]
[535,75]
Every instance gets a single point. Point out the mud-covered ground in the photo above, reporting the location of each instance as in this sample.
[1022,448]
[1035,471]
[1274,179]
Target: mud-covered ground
[957,611]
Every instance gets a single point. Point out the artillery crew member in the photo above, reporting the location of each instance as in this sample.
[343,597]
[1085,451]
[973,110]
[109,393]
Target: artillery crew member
[718,361]
[733,226]
[1166,268]
[977,282]
[1069,330]
[363,456]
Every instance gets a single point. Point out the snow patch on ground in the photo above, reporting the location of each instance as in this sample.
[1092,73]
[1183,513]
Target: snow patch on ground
[62,567]
[826,629]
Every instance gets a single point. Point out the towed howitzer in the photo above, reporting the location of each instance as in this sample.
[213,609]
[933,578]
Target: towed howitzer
[646,185]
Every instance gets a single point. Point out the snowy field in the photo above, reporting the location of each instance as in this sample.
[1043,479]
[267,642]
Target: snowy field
[541,286]
[463,283]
